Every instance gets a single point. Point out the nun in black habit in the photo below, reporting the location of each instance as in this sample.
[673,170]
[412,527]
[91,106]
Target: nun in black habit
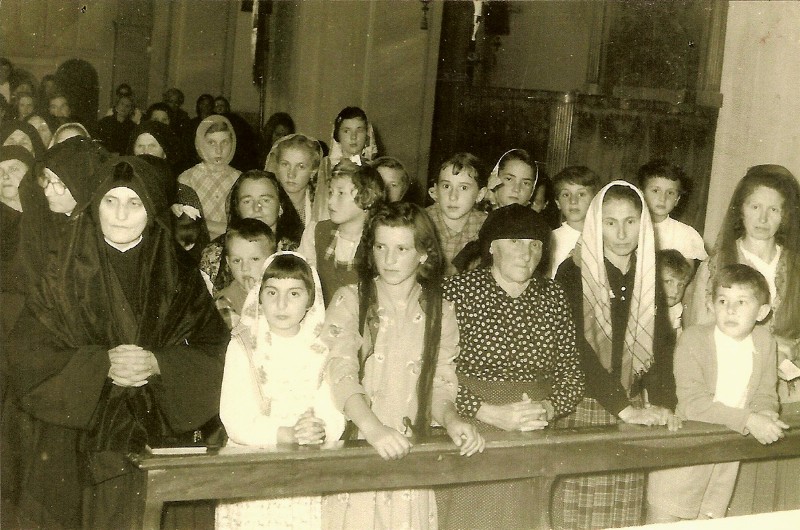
[120,343]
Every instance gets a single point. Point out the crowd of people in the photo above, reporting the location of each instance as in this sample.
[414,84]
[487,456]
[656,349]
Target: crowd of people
[289,293]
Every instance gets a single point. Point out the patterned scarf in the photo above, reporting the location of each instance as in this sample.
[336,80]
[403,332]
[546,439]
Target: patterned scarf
[637,354]
[253,331]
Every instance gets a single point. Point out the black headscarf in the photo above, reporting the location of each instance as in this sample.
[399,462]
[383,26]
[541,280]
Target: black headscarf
[165,137]
[80,311]
[513,221]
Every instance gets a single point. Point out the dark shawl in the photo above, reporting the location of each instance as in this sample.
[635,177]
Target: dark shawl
[8,127]
[76,162]
[80,311]
[165,137]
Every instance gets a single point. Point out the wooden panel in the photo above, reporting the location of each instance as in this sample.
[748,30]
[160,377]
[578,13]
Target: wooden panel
[549,453]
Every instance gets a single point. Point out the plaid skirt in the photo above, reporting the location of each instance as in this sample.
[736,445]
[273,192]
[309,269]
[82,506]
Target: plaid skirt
[596,501]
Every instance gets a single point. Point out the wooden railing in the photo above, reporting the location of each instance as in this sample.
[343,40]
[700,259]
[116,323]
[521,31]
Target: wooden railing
[548,454]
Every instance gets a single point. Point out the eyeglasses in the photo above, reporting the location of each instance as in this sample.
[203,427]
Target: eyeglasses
[58,186]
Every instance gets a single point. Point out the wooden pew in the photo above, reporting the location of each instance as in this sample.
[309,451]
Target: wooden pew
[548,454]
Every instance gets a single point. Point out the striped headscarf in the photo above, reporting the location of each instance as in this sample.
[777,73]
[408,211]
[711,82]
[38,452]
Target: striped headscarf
[637,353]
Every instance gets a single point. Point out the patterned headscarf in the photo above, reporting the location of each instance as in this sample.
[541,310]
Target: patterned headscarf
[254,331]
[637,353]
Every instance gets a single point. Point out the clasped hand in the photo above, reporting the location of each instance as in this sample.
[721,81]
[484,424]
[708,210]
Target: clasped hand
[765,426]
[309,430]
[525,415]
[131,365]
[652,415]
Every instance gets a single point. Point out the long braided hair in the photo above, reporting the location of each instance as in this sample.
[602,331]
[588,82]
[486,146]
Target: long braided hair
[429,276]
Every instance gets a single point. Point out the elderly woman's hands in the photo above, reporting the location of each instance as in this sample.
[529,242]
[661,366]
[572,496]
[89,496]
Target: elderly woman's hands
[131,365]
[525,415]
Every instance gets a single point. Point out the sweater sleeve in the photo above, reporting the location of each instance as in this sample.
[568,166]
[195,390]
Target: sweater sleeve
[765,396]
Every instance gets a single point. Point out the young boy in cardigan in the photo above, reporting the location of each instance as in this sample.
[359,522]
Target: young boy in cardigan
[725,373]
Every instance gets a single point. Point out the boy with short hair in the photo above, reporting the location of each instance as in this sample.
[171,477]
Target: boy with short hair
[333,246]
[574,186]
[725,373]
[662,186]
[674,272]
[248,244]
[459,186]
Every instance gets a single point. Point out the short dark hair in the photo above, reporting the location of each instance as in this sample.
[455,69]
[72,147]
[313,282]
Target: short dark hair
[392,163]
[661,168]
[672,260]
[250,230]
[290,267]
[741,275]
[469,162]
[348,113]
[578,175]
[369,186]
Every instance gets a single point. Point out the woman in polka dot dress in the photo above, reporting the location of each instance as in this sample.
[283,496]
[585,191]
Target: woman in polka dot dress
[518,368]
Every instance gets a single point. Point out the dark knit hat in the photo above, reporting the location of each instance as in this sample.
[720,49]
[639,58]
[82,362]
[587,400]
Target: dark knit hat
[514,221]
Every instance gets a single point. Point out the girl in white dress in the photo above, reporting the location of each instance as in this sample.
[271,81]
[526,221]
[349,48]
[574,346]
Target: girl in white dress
[273,390]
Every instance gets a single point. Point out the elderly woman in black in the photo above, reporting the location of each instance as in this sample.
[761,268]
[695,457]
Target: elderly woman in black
[120,346]
[518,368]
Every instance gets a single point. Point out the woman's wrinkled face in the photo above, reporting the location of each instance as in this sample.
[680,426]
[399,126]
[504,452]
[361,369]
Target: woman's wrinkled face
[621,223]
[218,147]
[762,213]
[146,144]
[516,259]
[11,173]
[258,199]
[21,139]
[59,198]
[123,216]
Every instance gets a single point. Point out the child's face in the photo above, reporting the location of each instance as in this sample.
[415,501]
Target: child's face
[573,200]
[258,199]
[352,136]
[396,256]
[516,184]
[219,147]
[285,303]
[295,169]
[621,220]
[394,181]
[342,205]
[674,286]
[456,194]
[539,200]
[737,309]
[662,196]
[246,259]
[762,213]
